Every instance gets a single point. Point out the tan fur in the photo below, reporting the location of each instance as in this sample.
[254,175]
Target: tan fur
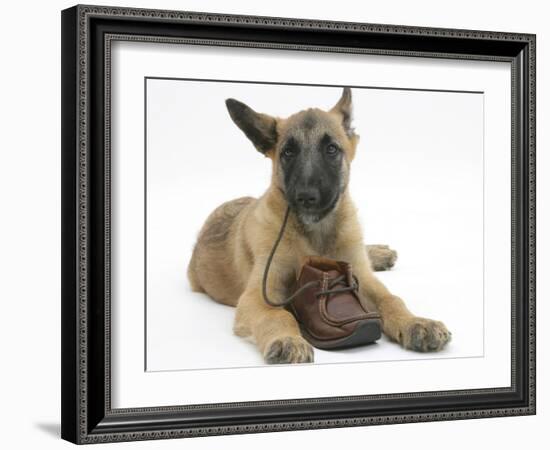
[229,259]
[381,257]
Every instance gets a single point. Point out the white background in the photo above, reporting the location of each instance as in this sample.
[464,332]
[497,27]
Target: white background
[417,180]
[30,236]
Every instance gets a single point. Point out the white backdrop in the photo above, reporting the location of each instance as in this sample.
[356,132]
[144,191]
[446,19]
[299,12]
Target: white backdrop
[417,180]
[30,229]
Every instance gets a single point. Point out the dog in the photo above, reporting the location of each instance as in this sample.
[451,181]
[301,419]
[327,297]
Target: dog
[311,153]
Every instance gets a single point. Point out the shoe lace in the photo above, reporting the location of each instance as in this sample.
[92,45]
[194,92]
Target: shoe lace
[342,279]
[287,300]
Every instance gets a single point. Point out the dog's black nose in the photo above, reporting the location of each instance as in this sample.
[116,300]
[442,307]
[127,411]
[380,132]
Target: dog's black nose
[307,198]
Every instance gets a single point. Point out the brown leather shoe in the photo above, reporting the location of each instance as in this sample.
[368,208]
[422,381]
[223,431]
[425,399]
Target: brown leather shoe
[329,312]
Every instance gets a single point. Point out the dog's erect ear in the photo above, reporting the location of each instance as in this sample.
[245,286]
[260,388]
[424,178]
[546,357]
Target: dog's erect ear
[343,108]
[260,128]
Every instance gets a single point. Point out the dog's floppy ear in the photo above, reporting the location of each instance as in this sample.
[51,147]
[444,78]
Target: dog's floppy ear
[344,108]
[260,128]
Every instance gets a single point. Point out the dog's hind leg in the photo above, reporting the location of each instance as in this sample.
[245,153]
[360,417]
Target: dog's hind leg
[381,257]
[192,275]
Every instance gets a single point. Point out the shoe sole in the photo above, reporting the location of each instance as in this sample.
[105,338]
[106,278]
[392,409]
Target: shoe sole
[367,332]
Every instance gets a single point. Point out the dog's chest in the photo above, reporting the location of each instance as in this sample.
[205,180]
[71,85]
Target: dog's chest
[321,238]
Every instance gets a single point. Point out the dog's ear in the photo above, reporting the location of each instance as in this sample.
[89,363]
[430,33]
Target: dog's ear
[343,109]
[260,128]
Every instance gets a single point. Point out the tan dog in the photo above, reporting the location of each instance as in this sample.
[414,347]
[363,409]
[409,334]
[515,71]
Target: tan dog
[311,153]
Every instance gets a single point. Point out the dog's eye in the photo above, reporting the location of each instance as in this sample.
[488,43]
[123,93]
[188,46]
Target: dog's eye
[332,149]
[288,152]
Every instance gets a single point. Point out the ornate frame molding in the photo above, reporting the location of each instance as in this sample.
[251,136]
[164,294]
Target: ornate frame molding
[80,423]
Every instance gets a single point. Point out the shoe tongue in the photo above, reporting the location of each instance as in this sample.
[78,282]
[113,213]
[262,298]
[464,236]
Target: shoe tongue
[333,273]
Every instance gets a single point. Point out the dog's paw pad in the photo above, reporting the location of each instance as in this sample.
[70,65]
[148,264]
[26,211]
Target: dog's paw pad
[288,350]
[425,335]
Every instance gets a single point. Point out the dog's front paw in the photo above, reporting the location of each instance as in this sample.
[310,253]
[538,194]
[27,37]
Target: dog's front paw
[288,350]
[381,257]
[425,335]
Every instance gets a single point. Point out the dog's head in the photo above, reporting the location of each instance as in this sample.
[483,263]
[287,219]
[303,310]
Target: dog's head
[311,153]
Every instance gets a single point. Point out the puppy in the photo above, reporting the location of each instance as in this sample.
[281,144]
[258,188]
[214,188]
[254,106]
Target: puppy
[311,153]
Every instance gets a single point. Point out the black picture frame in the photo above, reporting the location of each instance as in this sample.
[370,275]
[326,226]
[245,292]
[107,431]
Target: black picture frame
[87,416]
